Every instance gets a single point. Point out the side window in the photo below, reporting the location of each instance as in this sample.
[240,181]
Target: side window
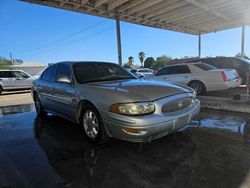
[17,74]
[49,74]
[163,71]
[1,74]
[24,75]
[63,71]
[7,74]
[181,69]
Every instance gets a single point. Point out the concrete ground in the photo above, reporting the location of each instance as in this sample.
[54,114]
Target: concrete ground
[15,98]
[52,152]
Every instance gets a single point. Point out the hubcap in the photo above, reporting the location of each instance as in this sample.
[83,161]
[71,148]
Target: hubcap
[90,124]
[197,87]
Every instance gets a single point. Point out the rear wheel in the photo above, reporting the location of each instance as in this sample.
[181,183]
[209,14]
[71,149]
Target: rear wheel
[1,90]
[39,109]
[92,125]
[198,86]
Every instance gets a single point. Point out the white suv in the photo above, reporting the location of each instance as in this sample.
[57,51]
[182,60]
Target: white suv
[14,80]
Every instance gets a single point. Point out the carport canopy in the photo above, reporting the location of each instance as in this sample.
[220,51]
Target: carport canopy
[188,16]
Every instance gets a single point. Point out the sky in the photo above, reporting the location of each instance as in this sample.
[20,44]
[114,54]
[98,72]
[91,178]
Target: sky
[36,33]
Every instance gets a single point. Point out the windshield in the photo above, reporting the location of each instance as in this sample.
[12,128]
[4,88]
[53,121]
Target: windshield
[96,72]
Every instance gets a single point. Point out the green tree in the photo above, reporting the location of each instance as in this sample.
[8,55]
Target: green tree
[4,63]
[162,61]
[141,56]
[149,62]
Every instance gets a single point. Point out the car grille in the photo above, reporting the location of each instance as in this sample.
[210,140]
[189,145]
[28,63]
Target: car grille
[176,105]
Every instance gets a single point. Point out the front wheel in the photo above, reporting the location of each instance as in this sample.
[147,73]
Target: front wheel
[92,125]
[198,87]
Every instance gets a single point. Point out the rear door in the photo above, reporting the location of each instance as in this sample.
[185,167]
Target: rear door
[64,92]
[7,80]
[46,88]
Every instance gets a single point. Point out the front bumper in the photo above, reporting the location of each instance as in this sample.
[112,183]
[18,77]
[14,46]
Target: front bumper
[152,126]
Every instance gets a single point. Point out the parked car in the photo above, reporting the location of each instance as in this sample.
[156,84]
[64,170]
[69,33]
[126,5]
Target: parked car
[242,65]
[14,80]
[144,72]
[199,76]
[108,101]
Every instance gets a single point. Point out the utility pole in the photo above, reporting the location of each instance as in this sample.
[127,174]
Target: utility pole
[118,32]
[242,41]
[11,58]
[199,45]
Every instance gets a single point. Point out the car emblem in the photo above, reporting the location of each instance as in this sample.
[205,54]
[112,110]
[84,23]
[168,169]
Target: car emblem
[180,104]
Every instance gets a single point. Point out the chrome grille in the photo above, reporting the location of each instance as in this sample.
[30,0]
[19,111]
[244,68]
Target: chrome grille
[176,105]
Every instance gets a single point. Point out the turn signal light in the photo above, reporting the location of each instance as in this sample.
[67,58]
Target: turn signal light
[134,131]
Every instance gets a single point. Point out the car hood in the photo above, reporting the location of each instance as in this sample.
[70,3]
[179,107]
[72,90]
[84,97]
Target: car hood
[137,90]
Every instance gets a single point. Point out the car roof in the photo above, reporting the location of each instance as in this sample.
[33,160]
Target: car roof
[190,63]
[74,62]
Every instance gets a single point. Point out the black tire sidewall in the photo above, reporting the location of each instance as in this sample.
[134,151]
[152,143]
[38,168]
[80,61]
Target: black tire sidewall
[41,112]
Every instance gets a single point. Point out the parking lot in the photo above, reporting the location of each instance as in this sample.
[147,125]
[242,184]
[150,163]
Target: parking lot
[213,151]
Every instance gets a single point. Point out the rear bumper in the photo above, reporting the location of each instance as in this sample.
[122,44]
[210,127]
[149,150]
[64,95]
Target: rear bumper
[216,86]
[234,83]
[152,126]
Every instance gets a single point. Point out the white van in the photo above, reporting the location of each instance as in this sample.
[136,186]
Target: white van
[14,80]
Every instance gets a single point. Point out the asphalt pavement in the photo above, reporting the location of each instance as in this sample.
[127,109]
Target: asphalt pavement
[213,151]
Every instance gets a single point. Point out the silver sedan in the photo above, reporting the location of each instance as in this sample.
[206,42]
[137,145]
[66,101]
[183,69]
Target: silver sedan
[107,101]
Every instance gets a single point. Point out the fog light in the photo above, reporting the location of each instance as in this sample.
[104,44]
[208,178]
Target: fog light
[134,131]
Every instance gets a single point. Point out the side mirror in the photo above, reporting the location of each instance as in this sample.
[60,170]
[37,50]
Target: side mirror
[63,79]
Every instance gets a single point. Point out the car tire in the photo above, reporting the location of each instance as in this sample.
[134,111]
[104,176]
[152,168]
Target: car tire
[39,109]
[92,125]
[198,86]
[1,90]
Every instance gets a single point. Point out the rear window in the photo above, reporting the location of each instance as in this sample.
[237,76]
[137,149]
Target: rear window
[204,67]
[6,74]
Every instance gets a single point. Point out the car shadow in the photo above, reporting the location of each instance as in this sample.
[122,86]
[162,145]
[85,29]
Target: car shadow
[206,154]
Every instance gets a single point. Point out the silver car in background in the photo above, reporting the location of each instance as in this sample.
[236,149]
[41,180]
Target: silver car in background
[14,80]
[107,101]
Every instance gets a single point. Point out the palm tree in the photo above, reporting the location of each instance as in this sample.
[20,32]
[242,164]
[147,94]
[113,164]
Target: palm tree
[141,57]
[130,60]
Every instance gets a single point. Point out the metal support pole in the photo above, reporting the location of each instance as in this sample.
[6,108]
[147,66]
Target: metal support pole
[242,41]
[118,32]
[199,45]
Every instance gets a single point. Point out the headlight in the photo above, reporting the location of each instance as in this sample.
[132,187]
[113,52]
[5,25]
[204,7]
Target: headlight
[133,108]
